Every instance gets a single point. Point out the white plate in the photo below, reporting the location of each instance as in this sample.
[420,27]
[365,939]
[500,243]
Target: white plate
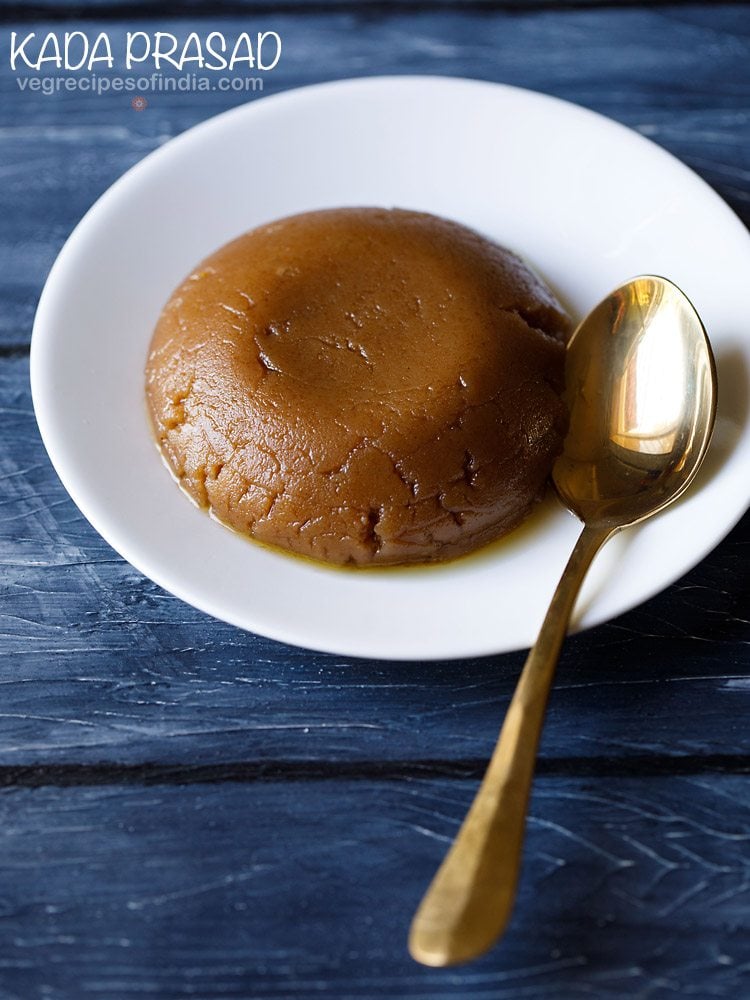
[587,201]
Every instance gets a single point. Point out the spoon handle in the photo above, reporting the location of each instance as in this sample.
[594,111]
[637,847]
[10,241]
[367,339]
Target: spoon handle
[471,897]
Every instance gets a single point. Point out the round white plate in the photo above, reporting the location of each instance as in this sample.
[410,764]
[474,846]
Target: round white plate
[587,201]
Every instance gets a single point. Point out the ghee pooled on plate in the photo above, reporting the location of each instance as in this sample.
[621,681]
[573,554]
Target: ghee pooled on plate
[361,385]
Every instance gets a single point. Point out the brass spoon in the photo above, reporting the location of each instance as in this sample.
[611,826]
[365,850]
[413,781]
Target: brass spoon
[641,391]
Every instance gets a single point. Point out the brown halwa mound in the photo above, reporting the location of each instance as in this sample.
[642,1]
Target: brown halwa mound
[361,386]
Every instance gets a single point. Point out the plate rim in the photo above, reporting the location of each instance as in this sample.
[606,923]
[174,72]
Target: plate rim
[296,635]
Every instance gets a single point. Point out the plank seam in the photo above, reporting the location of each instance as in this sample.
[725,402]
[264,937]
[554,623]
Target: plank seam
[249,772]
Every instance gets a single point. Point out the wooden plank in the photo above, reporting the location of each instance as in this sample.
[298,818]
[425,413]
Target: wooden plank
[295,890]
[99,664]
[60,152]
[68,9]
[680,57]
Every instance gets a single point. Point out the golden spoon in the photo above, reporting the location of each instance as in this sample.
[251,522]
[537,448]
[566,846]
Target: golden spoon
[641,391]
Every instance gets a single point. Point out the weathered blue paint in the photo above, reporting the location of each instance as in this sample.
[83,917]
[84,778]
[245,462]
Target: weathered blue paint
[632,888]
[188,810]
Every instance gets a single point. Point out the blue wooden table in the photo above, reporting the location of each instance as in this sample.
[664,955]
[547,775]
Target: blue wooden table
[187,810]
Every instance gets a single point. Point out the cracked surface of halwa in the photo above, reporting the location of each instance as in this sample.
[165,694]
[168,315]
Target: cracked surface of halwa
[361,386]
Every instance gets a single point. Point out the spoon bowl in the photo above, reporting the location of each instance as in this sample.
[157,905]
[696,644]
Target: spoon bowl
[641,393]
